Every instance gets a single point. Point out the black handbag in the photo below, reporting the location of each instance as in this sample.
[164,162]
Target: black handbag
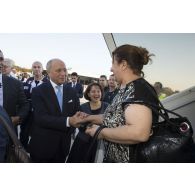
[15,151]
[170,141]
[93,143]
[79,149]
[84,147]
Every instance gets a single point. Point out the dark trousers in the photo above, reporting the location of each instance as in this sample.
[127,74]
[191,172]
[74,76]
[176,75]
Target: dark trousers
[56,159]
[79,151]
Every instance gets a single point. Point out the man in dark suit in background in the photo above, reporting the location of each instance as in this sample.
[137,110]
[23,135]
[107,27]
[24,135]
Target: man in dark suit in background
[112,91]
[55,105]
[76,85]
[13,98]
[104,84]
[31,82]
[3,134]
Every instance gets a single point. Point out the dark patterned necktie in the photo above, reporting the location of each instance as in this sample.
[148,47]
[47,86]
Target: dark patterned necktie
[36,82]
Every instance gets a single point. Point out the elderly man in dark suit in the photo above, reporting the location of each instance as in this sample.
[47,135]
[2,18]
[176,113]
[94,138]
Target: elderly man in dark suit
[3,135]
[55,107]
[12,97]
[13,100]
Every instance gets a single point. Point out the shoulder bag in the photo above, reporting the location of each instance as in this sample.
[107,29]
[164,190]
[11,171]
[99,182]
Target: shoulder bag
[171,139]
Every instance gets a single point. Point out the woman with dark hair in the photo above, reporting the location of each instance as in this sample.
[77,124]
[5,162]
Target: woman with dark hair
[126,124]
[94,106]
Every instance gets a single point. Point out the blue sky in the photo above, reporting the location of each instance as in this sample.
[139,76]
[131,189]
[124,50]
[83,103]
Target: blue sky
[174,61]
[87,54]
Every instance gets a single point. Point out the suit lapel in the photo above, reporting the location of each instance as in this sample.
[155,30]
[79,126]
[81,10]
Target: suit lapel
[5,89]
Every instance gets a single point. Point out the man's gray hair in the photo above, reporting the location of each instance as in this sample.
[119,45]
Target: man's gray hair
[49,64]
[37,62]
[1,55]
[8,62]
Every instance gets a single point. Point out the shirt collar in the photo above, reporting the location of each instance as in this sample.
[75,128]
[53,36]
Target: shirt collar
[54,84]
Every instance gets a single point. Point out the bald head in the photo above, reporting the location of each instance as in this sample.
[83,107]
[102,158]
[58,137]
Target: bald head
[37,69]
[57,71]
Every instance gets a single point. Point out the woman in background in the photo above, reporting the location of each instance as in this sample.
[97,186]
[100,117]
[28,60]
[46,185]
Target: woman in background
[94,106]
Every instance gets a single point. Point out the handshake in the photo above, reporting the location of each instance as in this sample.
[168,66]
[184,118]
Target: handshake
[78,119]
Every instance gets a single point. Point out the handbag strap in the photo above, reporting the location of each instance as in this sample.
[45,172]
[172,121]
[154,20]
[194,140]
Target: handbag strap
[153,92]
[16,143]
[11,132]
[94,138]
[156,109]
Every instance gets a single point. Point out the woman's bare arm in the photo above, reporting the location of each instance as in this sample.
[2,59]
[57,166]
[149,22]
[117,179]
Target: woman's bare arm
[137,128]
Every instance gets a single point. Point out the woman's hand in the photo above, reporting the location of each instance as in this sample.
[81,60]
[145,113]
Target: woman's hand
[83,115]
[91,129]
[95,119]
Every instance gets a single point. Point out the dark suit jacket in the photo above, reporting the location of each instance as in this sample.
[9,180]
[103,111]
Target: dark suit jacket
[109,96]
[3,135]
[50,135]
[78,88]
[14,99]
[27,86]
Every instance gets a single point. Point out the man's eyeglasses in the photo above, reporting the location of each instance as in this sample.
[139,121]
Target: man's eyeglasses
[3,65]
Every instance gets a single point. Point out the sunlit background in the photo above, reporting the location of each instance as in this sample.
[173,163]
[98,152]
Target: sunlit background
[174,61]
[88,55]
